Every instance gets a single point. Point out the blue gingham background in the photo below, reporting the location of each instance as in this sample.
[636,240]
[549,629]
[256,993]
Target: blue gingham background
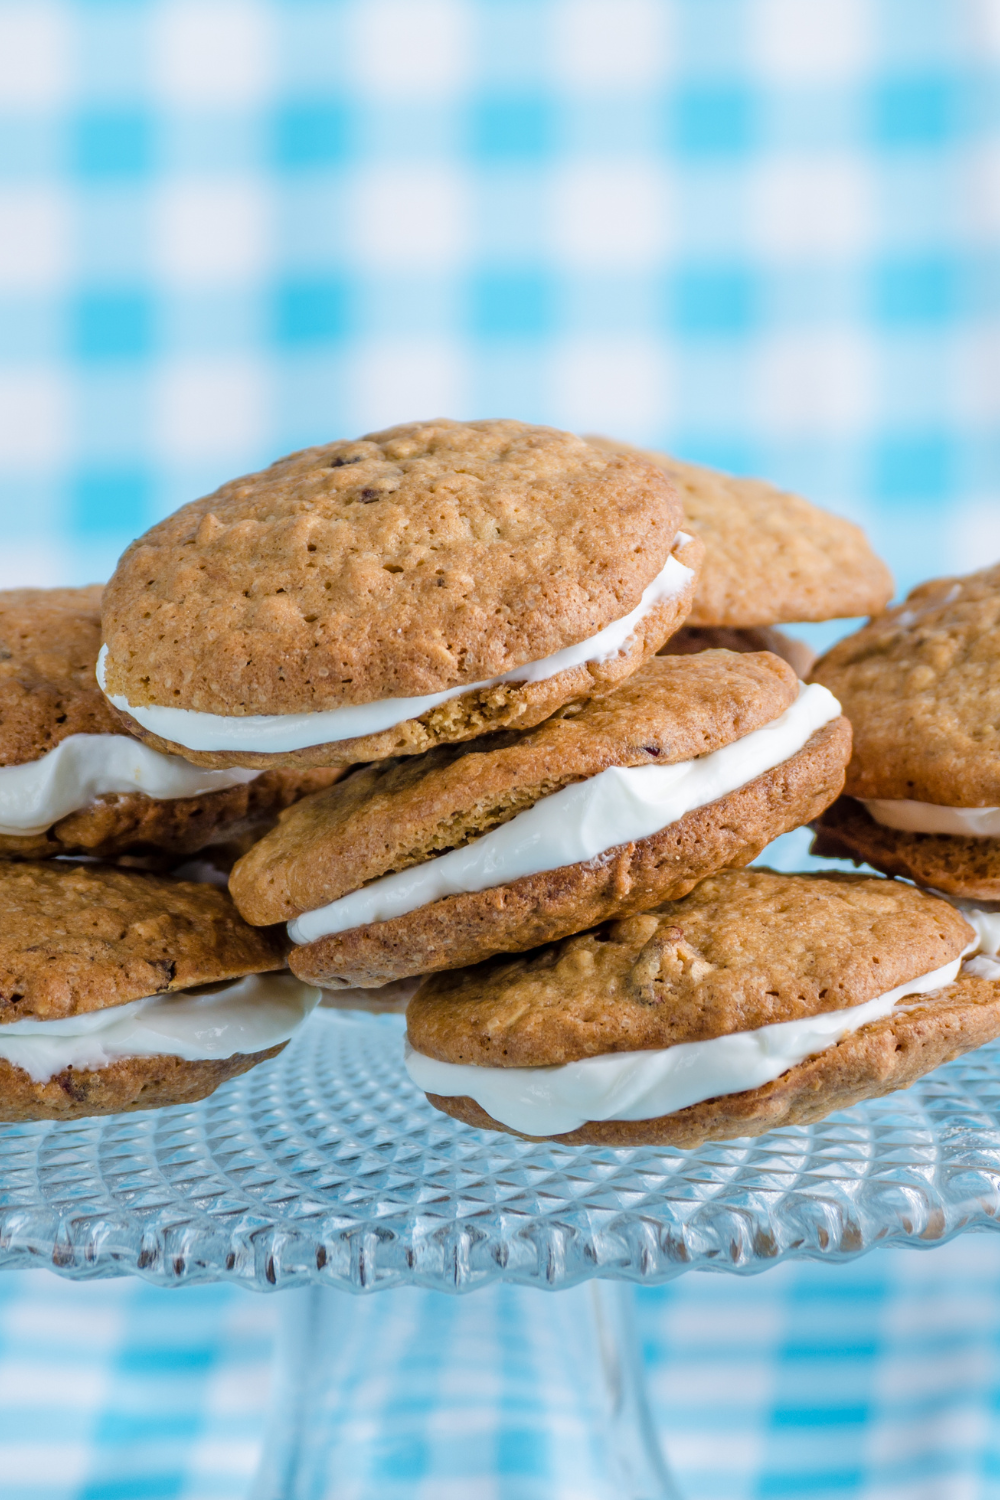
[877,1380]
[762,233]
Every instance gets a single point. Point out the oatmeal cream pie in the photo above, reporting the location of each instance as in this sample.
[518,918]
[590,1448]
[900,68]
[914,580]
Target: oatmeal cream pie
[759,1000]
[378,597]
[121,990]
[71,782]
[409,866]
[921,686]
[770,558]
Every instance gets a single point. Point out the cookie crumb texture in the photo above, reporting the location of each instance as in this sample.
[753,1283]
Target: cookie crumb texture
[407,562]
[129,1084]
[49,640]
[396,814]
[921,687]
[466,928]
[770,556]
[746,948]
[876,1060]
[82,938]
[952,863]
[130,823]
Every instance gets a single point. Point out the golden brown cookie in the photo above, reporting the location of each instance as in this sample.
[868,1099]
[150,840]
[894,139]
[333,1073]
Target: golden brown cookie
[877,1059]
[129,1084]
[957,865]
[387,819]
[392,815]
[411,562]
[692,638]
[746,949]
[49,640]
[80,938]
[83,941]
[921,687]
[535,909]
[770,556]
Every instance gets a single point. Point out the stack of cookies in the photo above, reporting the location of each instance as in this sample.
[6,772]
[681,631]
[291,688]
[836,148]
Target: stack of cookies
[103,965]
[435,697]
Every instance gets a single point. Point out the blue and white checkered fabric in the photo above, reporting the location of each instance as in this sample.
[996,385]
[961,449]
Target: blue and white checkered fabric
[877,1380]
[762,232]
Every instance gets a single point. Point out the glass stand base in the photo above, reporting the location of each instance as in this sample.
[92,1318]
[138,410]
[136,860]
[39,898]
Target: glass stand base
[508,1391]
[635,1453]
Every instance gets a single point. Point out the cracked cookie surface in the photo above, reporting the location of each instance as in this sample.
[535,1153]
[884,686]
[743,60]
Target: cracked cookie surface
[80,938]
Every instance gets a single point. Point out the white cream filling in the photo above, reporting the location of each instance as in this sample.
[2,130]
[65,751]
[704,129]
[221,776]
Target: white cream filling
[928,817]
[245,1016]
[579,822]
[37,794]
[985,918]
[280,733]
[645,1085]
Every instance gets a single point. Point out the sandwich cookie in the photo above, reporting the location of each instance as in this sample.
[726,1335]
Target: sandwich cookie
[121,991]
[770,557]
[759,1000]
[378,597]
[694,763]
[921,686]
[71,782]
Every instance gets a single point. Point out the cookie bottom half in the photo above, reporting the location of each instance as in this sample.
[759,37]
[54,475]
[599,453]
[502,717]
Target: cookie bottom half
[888,1055]
[463,929]
[130,1083]
[951,863]
[176,827]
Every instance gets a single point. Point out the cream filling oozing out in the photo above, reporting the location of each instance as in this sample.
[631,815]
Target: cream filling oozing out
[38,793]
[281,733]
[240,1016]
[928,817]
[646,1085]
[985,918]
[579,822]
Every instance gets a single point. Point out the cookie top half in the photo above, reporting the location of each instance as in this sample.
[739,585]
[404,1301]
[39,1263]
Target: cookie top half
[79,938]
[921,687]
[49,640]
[392,815]
[746,948]
[408,562]
[771,557]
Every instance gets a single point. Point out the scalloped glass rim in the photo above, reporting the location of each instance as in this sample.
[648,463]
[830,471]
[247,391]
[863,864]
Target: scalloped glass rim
[327,1165]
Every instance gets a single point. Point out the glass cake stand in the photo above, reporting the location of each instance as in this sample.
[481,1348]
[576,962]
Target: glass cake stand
[326,1170]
